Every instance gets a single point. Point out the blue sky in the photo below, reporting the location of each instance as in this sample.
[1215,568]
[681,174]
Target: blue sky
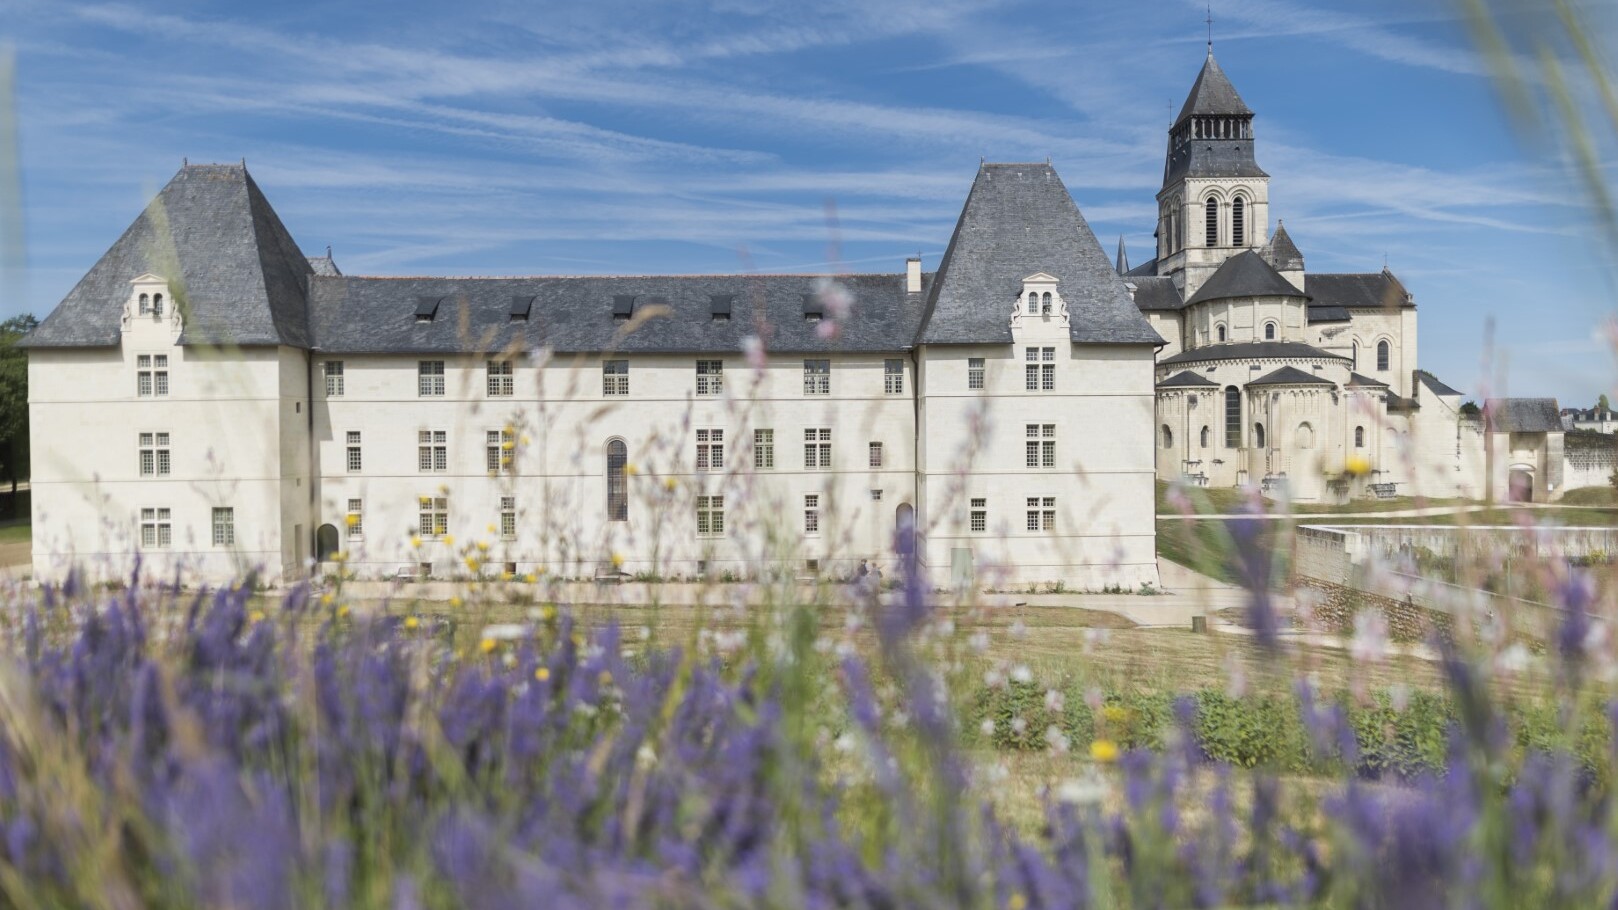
[488,138]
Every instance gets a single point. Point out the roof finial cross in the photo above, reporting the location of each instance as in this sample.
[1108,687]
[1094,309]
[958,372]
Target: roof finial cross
[1210,28]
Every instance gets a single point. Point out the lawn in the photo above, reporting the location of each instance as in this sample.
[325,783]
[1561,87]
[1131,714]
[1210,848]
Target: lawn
[16,532]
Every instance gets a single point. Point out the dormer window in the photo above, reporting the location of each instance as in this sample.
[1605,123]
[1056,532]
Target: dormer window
[1033,303]
[147,295]
[146,304]
[520,308]
[426,308]
[1039,289]
[157,305]
[719,307]
[1045,303]
[623,307]
[813,309]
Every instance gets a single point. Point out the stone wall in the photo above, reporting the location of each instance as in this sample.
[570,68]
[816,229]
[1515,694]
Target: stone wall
[1590,458]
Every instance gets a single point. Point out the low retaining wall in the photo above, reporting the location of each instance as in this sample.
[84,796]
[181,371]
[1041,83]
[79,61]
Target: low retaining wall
[1357,558]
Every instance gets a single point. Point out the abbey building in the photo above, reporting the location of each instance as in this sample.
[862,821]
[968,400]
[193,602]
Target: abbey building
[212,398]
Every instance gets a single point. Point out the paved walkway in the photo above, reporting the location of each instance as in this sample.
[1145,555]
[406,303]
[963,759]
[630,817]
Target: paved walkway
[1328,517]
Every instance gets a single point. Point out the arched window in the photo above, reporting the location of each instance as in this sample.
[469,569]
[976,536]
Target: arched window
[1269,331]
[145,304]
[1305,437]
[1382,355]
[1168,437]
[1258,435]
[1211,218]
[1238,210]
[157,304]
[1233,417]
[1359,437]
[1219,332]
[617,491]
[1179,223]
[1354,355]
[1205,435]
[1033,303]
[1045,303]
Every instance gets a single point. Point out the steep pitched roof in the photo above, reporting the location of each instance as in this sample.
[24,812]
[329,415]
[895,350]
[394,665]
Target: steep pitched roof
[1122,265]
[1156,293]
[1358,380]
[1431,382]
[1212,94]
[1522,415]
[211,233]
[1186,379]
[1281,253]
[575,314]
[1250,350]
[1245,274]
[325,265]
[1144,270]
[1369,290]
[1018,220]
[1291,375]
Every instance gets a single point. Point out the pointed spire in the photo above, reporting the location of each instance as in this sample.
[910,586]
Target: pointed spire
[1212,94]
[1281,253]
[1123,257]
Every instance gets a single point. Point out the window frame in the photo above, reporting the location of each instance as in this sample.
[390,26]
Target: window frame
[893,376]
[764,449]
[160,521]
[615,377]
[617,476]
[335,385]
[811,514]
[817,448]
[874,454]
[508,518]
[353,458]
[500,452]
[816,377]
[500,378]
[710,449]
[710,378]
[432,517]
[710,516]
[154,448]
[430,379]
[977,516]
[976,368]
[354,518]
[227,527]
[432,451]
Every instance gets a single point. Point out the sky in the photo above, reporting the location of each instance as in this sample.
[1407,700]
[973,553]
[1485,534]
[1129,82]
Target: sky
[511,137]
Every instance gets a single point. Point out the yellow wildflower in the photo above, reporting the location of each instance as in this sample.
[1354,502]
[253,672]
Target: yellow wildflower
[415,542]
[1357,466]
[617,560]
[669,483]
[530,578]
[353,519]
[454,601]
[326,599]
[483,545]
[489,529]
[449,540]
[1016,902]
[472,563]
[523,439]
[506,576]
[630,470]
[411,622]
[339,556]
[508,445]
[542,674]
[256,616]
[1104,750]
[342,611]
[605,678]
[486,645]
[1116,714]
[547,612]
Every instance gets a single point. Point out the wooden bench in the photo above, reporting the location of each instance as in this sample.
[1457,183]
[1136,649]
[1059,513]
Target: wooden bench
[406,573]
[1385,490]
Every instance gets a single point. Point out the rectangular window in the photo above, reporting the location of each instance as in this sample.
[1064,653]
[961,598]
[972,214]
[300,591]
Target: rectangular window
[501,383]
[1042,513]
[615,377]
[152,374]
[710,516]
[432,450]
[155,529]
[876,455]
[876,495]
[1041,445]
[508,517]
[434,516]
[817,377]
[893,377]
[430,378]
[764,450]
[710,377]
[974,373]
[811,513]
[710,450]
[355,519]
[224,527]
[1047,374]
[1031,370]
[499,449]
[154,455]
[979,515]
[334,378]
[353,460]
[817,448]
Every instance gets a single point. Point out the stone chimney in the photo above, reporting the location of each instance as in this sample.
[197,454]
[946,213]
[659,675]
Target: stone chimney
[913,275]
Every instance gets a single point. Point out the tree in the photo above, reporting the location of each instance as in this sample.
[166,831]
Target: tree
[1471,409]
[1601,403]
[14,399]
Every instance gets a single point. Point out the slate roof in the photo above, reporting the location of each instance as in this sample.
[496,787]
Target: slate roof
[213,235]
[1290,375]
[1250,350]
[1212,94]
[1018,220]
[1156,293]
[1147,269]
[1186,379]
[1430,381]
[1371,290]
[325,265]
[1323,314]
[1245,274]
[1397,404]
[1522,415]
[1358,380]
[1281,253]
[575,314]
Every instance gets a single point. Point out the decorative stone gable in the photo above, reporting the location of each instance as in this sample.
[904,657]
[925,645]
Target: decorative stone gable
[1039,302]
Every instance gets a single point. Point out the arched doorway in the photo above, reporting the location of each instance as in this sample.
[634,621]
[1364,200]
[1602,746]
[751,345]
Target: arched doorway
[326,542]
[1520,485]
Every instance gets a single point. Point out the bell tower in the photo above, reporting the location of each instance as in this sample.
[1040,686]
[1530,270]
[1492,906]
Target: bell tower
[1215,200]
